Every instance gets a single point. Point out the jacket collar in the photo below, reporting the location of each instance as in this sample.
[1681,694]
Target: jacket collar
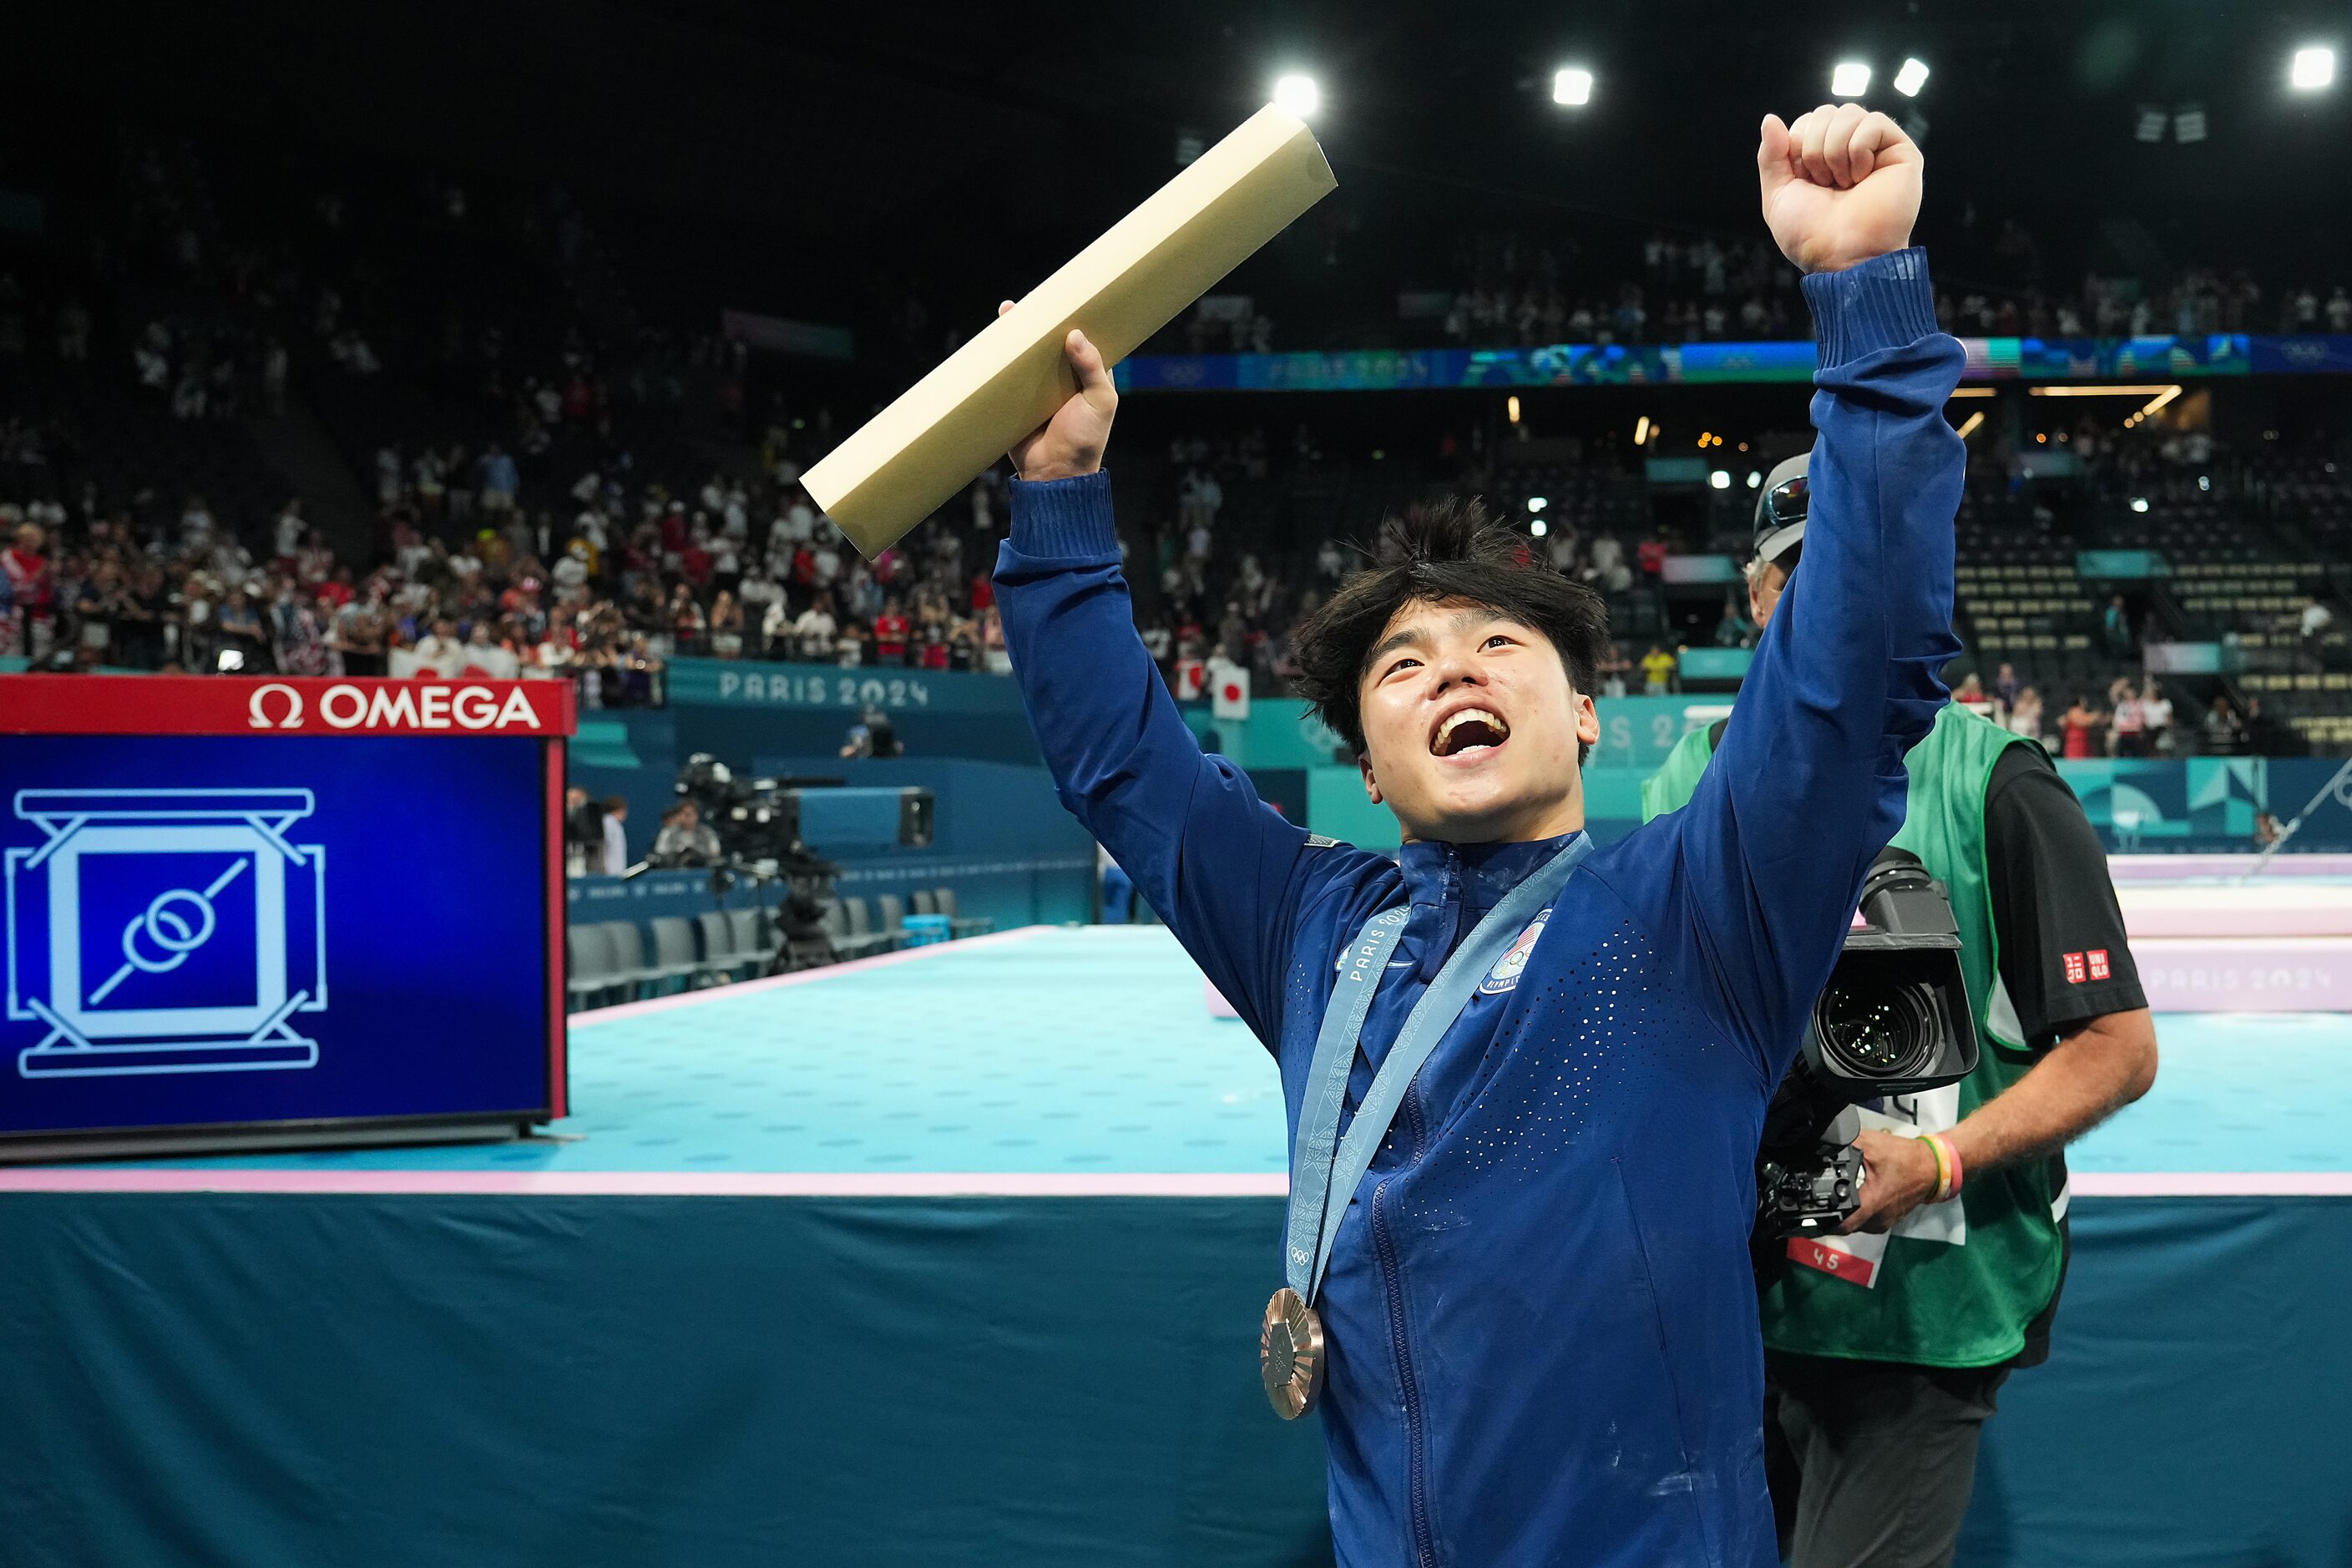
[1453,885]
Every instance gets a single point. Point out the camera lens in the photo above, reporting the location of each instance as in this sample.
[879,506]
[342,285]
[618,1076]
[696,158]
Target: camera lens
[1877,1033]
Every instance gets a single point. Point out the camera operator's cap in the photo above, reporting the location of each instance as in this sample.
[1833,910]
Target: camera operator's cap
[1781,510]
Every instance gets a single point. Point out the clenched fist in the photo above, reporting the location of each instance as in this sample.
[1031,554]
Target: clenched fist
[1841,186]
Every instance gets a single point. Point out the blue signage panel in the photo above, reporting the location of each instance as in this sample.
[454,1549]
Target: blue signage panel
[749,683]
[212,931]
[1641,364]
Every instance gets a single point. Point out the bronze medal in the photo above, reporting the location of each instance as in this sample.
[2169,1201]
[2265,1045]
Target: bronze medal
[1290,1355]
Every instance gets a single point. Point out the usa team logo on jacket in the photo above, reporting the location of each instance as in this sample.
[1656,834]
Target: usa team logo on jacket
[1508,969]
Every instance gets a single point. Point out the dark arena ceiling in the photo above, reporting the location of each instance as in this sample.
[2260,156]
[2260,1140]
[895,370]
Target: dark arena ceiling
[1007,134]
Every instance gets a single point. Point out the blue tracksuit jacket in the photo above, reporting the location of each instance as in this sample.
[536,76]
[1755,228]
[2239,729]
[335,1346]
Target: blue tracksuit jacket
[1543,1331]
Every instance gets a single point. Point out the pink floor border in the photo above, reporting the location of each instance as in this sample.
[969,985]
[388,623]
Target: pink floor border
[652,1183]
[934,1184]
[2178,867]
[803,977]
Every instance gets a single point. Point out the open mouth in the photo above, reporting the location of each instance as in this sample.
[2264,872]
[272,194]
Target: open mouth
[1468,730]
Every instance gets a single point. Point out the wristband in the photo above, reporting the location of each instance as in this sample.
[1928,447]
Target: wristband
[1948,1167]
[1943,1166]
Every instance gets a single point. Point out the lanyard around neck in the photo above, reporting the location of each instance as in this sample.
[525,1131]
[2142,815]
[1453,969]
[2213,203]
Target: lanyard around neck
[1325,1168]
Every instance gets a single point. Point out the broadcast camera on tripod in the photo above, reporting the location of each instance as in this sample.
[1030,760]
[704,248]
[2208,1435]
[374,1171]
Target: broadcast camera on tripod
[757,822]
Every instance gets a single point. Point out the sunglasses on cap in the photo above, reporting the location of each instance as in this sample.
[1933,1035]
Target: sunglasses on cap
[1786,502]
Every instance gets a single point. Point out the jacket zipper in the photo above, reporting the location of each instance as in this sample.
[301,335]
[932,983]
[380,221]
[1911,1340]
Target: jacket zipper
[1424,1546]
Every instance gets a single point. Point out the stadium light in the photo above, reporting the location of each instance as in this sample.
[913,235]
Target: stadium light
[1297,94]
[2189,123]
[1911,77]
[1849,79]
[1968,426]
[1755,480]
[2312,69]
[1537,503]
[1642,430]
[1720,478]
[2140,503]
[2151,124]
[1511,407]
[1536,528]
[1571,87]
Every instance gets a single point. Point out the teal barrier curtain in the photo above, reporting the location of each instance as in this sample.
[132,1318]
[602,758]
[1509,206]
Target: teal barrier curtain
[344,1382]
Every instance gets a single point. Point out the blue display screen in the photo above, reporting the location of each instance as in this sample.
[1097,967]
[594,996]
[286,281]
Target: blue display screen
[205,930]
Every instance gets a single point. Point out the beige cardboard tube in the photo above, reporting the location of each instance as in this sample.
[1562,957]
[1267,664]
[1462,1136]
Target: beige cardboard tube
[913,456]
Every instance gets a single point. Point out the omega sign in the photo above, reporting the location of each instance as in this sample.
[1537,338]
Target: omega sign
[419,705]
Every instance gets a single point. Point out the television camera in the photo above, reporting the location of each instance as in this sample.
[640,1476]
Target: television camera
[1893,1020]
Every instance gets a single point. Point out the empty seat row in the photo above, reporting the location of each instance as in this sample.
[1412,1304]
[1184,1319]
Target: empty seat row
[608,962]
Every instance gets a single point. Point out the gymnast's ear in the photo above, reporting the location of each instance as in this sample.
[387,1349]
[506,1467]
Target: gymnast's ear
[1372,785]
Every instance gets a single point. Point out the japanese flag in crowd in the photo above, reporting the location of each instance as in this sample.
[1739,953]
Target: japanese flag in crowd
[1190,677]
[1229,690]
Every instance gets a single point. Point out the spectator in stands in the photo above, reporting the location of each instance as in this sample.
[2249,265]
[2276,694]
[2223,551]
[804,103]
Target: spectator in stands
[849,648]
[2115,626]
[1658,668]
[483,655]
[1605,566]
[1970,692]
[1615,668]
[684,839]
[890,633]
[2224,736]
[612,835]
[2261,738]
[725,626]
[440,651]
[2128,729]
[244,642]
[2080,727]
[1198,500]
[298,632]
[31,589]
[1732,628]
[2024,716]
[2005,686]
[816,630]
[2156,720]
[140,611]
[500,479]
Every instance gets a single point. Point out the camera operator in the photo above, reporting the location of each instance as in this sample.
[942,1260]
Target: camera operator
[872,736]
[685,840]
[1884,1350]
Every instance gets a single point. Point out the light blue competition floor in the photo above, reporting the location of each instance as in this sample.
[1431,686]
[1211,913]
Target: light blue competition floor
[1092,1050]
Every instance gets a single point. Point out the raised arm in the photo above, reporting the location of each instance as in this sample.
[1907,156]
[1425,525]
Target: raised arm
[1225,869]
[1808,785]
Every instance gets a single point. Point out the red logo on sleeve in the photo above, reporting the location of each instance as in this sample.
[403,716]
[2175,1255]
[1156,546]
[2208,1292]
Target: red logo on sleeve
[2075,971]
[2099,970]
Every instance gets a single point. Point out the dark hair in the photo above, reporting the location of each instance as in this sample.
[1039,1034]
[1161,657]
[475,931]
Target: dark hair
[1453,551]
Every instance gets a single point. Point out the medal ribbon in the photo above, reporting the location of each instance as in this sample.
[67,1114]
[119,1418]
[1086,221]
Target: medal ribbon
[1325,1168]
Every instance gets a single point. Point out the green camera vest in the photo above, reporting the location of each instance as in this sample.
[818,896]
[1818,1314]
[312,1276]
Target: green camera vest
[1936,1303]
